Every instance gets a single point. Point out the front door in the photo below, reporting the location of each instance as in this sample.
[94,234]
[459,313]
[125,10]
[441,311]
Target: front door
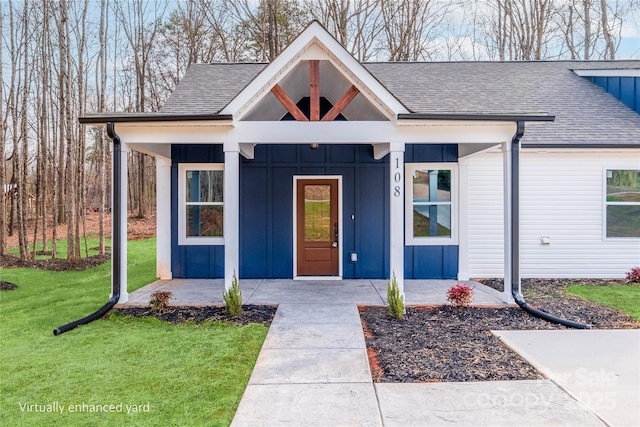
[317,228]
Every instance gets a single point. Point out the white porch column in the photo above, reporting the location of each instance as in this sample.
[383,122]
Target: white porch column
[124,215]
[396,213]
[463,219]
[507,296]
[231,212]
[163,218]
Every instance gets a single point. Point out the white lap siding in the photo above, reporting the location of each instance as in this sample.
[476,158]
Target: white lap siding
[562,197]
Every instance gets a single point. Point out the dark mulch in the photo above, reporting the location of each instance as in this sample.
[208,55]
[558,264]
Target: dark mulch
[261,314]
[549,295]
[7,286]
[10,261]
[444,343]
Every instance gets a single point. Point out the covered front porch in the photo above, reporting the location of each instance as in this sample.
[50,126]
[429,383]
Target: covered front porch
[198,292]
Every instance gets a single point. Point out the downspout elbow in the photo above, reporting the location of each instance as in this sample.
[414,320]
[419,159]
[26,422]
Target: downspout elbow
[515,242]
[116,243]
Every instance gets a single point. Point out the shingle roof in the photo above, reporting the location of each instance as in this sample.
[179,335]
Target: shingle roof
[208,88]
[585,113]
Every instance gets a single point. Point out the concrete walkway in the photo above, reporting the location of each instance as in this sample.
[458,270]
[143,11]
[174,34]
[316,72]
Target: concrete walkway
[313,368]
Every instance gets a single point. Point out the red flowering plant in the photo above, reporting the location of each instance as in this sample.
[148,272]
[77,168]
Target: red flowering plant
[633,275]
[460,295]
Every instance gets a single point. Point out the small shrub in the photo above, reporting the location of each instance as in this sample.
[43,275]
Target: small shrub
[395,300]
[160,301]
[460,295]
[633,276]
[233,299]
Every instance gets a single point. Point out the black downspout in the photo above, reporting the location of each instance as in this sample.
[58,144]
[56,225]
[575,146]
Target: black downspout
[515,239]
[115,241]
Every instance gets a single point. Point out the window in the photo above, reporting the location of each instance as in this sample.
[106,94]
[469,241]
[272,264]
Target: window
[622,204]
[431,192]
[201,203]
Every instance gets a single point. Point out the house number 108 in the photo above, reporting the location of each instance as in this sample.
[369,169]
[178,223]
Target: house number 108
[397,178]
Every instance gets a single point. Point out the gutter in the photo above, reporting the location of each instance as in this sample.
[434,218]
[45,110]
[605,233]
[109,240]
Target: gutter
[150,117]
[515,239]
[116,243]
[478,117]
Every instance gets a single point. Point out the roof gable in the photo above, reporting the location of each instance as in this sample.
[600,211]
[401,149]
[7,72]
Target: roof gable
[315,43]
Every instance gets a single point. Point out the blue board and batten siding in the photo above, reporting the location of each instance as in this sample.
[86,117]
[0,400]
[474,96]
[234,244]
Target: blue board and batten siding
[266,212]
[193,261]
[430,262]
[266,207]
[625,89]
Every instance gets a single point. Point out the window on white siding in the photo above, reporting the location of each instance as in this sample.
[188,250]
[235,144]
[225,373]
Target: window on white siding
[431,204]
[201,203]
[622,203]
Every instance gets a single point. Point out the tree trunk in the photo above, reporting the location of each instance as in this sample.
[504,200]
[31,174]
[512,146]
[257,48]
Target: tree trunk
[3,167]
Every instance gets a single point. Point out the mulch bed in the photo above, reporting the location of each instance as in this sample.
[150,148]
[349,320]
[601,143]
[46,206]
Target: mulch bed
[444,343]
[10,261]
[7,286]
[261,314]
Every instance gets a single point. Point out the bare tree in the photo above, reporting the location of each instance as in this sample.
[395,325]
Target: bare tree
[356,24]
[411,26]
[140,21]
[592,30]
[101,87]
[270,27]
[3,185]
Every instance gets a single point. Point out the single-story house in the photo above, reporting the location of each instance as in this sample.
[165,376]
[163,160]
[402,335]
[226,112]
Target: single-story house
[318,166]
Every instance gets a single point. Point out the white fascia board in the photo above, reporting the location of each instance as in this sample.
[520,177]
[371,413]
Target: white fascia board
[304,47]
[292,132]
[170,133]
[611,72]
[600,151]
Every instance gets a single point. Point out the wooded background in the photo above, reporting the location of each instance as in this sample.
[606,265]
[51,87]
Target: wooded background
[62,59]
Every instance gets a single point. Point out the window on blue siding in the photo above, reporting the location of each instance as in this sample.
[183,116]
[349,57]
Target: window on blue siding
[622,203]
[201,199]
[430,210]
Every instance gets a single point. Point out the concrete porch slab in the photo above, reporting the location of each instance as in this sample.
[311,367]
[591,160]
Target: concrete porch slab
[284,366]
[434,292]
[321,292]
[308,405]
[315,292]
[491,403]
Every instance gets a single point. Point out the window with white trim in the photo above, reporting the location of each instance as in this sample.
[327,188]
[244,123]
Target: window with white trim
[622,203]
[200,203]
[431,204]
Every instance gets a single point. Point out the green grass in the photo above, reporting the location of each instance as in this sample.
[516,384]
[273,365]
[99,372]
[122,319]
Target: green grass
[317,221]
[625,298]
[186,375]
[422,227]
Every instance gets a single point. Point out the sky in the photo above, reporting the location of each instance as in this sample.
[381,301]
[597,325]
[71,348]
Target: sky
[630,41]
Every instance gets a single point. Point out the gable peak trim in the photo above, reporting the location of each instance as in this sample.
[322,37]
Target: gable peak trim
[315,43]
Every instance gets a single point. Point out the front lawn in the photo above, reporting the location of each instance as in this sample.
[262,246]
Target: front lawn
[625,298]
[119,371]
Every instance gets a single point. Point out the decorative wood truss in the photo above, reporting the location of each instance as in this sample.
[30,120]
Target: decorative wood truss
[314,95]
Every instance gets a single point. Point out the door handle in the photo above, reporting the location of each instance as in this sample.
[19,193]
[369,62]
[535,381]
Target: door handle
[335,229]
[334,244]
